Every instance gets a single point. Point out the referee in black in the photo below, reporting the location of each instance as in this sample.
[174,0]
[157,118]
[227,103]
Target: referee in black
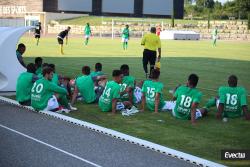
[37,33]
[60,38]
[151,43]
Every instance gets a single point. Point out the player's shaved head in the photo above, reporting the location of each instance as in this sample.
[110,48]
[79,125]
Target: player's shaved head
[38,60]
[193,80]
[52,66]
[98,67]
[86,70]
[124,69]
[155,74]
[116,73]
[153,30]
[232,80]
[117,76]
[31,68]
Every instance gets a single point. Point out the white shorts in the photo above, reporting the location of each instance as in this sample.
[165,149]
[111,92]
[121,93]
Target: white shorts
[217,103]
[124,39]
[87,36]
[215,37]
[137,95]
[119,106]
[170,105]
[52,104]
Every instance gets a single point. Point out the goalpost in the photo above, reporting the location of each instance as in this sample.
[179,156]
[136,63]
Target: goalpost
[142,26]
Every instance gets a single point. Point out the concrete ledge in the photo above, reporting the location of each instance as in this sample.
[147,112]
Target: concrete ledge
[149,145]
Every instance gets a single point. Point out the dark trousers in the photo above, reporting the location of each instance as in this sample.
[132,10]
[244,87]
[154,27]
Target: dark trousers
[25,103]
[149,56]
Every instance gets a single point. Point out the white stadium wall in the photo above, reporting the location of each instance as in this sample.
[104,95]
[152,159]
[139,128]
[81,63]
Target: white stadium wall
[10,68]
[118,6]
[159,7]
[75,5]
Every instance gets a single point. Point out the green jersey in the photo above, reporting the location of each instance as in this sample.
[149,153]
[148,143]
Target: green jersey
[39,71]
[233,99]
[85,85]
[127,81]
[215,32]
[87,30]
[186,96]
[42,90]
[111,91]
[96,73]
[23,86]
[55,79]
[149,89]
[125,33]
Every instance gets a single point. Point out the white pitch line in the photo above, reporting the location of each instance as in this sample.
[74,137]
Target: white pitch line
[58,149]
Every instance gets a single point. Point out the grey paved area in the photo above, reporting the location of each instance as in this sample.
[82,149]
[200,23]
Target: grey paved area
[17,150]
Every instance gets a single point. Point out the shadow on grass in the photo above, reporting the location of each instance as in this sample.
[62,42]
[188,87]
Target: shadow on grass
[205,140]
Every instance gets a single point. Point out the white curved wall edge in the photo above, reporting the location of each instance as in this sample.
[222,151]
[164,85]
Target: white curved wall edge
[149,145]
[10,68]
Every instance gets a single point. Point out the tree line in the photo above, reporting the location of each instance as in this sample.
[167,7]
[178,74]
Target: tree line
[206,9]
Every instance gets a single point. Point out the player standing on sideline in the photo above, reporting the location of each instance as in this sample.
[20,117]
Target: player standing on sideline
[125,37]
[60,38]
[215,35]
[87,33]
[37,33]
[151,43]
[232,101]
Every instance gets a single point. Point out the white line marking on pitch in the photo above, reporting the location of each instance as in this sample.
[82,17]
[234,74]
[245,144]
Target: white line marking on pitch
[58,149]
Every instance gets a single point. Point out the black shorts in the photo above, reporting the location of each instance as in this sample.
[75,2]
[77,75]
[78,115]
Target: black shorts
[149,56]
[37,36]
[60,41]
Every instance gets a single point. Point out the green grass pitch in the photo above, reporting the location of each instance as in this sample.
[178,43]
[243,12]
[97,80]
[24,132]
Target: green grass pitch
[179,59]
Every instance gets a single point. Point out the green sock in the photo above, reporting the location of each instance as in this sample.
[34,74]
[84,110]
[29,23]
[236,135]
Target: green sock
[63,101]
[123,45]
[86,42]
[126,45]
[211,103]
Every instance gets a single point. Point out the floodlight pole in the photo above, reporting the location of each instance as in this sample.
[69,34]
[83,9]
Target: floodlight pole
[172,17]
